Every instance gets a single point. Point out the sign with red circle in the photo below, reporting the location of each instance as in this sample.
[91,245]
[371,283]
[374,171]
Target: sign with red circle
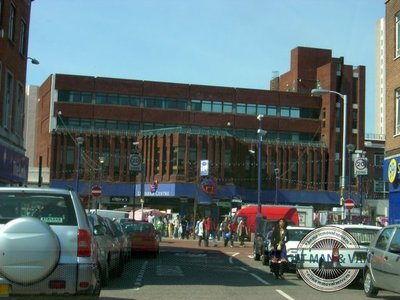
[96,191]
[349,204]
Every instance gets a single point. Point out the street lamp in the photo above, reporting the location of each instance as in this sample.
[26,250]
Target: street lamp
[319,92]
[101,161]
[79,143]
[350,149]
[260,133]
[276,170]
[34,61]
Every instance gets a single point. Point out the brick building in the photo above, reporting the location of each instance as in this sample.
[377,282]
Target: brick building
[14,29]
[392,145]
[176,126]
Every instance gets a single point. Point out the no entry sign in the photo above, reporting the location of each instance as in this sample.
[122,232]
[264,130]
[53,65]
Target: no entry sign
[349,204]
[96,191]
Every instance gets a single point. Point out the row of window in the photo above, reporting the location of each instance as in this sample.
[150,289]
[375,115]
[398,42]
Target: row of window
[11,28]
[114,125]
[13,121]
[193,105]
[397,112]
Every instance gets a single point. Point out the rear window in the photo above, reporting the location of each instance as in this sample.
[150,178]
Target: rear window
[363,236]
[137,227]
[52,209]
[297,234]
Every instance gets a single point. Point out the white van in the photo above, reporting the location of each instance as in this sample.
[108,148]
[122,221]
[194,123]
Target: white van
[117,214]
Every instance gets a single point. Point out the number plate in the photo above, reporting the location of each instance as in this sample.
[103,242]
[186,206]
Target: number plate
[4,290]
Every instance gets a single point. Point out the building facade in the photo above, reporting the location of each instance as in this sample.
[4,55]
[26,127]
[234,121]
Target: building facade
[14,29]
[392,145]
[177,126]
[380,81]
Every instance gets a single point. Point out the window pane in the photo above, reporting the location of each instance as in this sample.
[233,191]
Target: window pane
[135,101]
[196,105]
[112,125]
[113,99]
[251,109]
[271,110]
[397,105]
[101,99]
[124,100]
[217,106]
[87,97]
[285,111]
[228,107]
[86,124]
[261,109]
[100,124]
[241,108]
[75,97]
[295,112]
[206,106]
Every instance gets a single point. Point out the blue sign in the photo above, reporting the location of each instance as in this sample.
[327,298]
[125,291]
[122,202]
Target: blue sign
[13,166]
[204,168]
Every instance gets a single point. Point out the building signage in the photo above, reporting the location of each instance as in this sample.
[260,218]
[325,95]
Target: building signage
[204,168]
[13,166]
[119,199]
[360,166]
[392,170]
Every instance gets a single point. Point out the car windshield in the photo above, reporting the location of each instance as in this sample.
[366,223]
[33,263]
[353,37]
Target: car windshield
[297,234]
[137,227]
[363,236]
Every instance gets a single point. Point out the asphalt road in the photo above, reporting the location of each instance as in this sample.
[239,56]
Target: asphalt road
[183,270]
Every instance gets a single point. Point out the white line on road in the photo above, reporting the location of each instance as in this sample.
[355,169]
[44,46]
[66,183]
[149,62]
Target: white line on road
[260,279]
[285,295]
[139,278]
[233,255]
[243,268]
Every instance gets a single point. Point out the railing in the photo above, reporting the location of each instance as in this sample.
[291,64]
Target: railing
[375,136]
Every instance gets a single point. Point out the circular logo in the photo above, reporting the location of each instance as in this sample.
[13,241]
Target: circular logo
[322,256]
[392,170]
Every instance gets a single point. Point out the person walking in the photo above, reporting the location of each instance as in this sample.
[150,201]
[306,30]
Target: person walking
[228,234]
[278,245]
[242,232]
[200,231]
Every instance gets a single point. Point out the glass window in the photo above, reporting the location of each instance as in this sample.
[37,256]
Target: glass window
[295,112]
[228,107]
[397,35]
[241,108]
[101,98]
[153,102]
[11,23]
[112,99]
[123,100]
[217,106]
[22,38]
[285,111]
[206,106]
[271,110]
[123,125]
[383,239]
[395,243]
[196,105]
[7,105]
[135,101]
[100,124]
[134,126]
[261,109]
[86,124]
[397,116]
[75,97]
[111,124]
[251,109]
[63,96]
[378,160]
[19,112]
[86,97]
[73,122]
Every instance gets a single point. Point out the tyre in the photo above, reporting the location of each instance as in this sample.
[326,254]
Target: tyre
[105,274]
[264,259]
[256,256]
[369,289]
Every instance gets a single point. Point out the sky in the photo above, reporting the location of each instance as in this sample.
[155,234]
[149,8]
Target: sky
[234,43]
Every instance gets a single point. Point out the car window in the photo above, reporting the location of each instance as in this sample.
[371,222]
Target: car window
[138,227]
[297,234]
[49,208]
[363,236]
[383,239]
[395,243]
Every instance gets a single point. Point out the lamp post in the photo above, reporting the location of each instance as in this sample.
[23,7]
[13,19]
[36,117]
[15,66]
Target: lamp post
[276,170]
[318,92]
[34,61]
[350,149]
[79,143]
[260,133]
[101,161]
[135,166]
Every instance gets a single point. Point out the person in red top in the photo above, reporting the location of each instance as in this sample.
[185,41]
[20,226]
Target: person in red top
[207,226]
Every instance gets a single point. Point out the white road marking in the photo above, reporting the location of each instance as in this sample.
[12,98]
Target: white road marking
[260,279]
[243,268]
[164,270]
[285,295]
[231,257]
[139,278]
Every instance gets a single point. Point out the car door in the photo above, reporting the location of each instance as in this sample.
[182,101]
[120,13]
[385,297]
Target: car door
[377,254]
[392,263]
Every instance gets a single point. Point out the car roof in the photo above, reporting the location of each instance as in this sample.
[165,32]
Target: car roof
[356,226]
[299,228]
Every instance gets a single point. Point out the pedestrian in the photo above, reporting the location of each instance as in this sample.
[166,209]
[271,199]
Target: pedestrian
[242,232]
[228,235]
[222,227]
[200,231]
[184,222]
[177,223]
[213,232]
[151,218]
[278,245]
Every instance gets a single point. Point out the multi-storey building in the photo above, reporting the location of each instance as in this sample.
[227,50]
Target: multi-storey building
[380,81]
[176,126]
[14,28]
[392,145]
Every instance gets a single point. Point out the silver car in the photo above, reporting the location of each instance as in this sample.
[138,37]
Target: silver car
[382,270]
[46,245]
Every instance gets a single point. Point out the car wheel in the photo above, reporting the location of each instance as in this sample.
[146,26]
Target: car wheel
[37,246]
[369,289]
[120,268]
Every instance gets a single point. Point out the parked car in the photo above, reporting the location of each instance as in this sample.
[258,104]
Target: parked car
[124,240]
[108,249]
[295,235]
[46,244]
[143,237]
[120,242]
[382,269]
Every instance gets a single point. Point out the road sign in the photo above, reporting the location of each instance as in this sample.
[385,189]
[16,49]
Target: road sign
[96,191]
[360,166]
[349,204]
[135,162]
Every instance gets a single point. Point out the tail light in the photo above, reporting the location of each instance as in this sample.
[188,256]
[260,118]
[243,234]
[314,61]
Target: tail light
[335,257]
[84,243]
